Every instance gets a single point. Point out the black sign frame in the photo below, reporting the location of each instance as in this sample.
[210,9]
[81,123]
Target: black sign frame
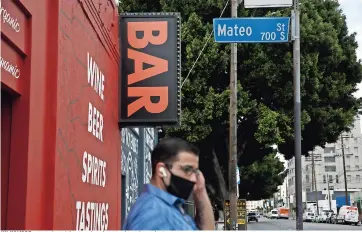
[170,51]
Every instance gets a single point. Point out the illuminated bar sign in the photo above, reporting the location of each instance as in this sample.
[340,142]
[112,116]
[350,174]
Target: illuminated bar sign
[150,69]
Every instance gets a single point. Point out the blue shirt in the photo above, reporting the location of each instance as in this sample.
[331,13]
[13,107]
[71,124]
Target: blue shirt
[156,209]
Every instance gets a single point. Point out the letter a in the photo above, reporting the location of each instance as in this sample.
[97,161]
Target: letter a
[159,66]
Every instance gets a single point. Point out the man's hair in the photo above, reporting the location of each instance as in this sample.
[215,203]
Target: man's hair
[167,150]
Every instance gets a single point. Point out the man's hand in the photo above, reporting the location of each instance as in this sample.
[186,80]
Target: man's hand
[204,213]
[199,188]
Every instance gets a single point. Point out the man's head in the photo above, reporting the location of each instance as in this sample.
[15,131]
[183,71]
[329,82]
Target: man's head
[174,157]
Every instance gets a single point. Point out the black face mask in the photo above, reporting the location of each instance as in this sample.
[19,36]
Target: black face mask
[180,187]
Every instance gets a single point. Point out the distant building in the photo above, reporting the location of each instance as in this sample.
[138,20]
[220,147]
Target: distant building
[281,197]
[254,205]
[329,168]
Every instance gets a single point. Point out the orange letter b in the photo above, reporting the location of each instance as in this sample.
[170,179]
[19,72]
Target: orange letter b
[147,28]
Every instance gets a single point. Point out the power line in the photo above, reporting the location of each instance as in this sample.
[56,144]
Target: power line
[203,48]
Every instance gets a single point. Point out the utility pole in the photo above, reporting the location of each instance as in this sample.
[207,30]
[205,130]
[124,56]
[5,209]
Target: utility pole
[344,171]
[329,194]
[314,183]
[233,126]
[316,191]
[297,117]
[286,194]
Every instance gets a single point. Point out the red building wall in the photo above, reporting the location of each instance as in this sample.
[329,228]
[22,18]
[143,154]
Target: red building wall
[57,45]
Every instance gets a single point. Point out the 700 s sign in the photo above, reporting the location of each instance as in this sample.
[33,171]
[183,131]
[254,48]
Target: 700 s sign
[150,69]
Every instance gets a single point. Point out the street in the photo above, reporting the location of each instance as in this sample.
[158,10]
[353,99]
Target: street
[274,224]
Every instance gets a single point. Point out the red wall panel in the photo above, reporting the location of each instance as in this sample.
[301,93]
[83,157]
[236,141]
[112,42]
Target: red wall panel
[15,79]
[86,53]
[50,113]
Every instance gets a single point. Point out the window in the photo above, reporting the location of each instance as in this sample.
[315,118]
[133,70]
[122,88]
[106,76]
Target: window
[349,178]
[356,158]
[348,167]
[307,178]
[337,180]
[307,190]
[330,179]
[355,150]
[328,150]
[330,159]
[346,149]
[307,168]
[324,179]
[358,178]
[330,168]
[357,167]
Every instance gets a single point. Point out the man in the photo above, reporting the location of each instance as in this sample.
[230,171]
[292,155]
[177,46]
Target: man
[175,176]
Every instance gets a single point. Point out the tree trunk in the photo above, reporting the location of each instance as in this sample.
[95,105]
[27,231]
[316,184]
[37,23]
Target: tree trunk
[219,175]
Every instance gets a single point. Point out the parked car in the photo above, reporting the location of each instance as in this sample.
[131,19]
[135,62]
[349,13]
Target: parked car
[274,214]
[323,216]
[252,216]
[331,218]
[317,218]
[348,215]
[308,217]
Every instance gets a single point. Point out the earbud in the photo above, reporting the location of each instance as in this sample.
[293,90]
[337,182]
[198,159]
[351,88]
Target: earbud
[163,172]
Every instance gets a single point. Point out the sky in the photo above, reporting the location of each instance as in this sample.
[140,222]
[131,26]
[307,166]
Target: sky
[353,9]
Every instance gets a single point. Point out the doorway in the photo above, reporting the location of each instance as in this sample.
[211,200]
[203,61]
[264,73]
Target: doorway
[6,108]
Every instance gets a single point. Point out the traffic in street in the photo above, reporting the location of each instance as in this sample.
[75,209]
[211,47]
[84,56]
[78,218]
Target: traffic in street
[283,224]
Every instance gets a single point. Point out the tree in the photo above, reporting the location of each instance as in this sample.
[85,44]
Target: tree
[329,76]
[330,72]
[263,175]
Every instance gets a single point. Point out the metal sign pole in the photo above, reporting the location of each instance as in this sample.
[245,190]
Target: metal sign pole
[297,117]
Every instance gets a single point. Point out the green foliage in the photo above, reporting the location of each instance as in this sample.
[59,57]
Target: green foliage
[329,75]
[262,178]
[268,131]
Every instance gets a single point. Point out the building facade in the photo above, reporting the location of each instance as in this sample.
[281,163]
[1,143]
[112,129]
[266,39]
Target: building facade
[281,196]
[137,145]
[63,155]
[60,140]
[328,164]
[254,205]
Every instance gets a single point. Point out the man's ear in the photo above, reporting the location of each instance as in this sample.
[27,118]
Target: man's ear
[161,170]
